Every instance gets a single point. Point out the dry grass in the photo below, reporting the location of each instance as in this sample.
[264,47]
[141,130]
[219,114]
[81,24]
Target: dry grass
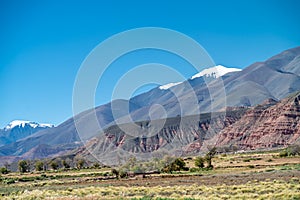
[251,190]
[236,176]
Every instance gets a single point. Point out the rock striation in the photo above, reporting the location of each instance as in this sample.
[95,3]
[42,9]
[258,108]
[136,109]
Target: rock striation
[265,126]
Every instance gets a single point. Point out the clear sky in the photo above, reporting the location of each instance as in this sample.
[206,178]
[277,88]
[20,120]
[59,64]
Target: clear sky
[43,43]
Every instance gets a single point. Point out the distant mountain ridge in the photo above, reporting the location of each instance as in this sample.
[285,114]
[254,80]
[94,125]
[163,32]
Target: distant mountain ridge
[19,129]
[23,123]
[274,78]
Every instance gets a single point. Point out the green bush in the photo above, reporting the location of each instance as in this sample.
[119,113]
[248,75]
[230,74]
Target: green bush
[123,174]
[115,172]
[199,162]
[39,165]
[283,153]
[80,164]
[96,166]
[249,159]
[54,165]
[177,165]
[290,151]
[23,166]
[9,181]
[194,169]
[4,170]
[65,164]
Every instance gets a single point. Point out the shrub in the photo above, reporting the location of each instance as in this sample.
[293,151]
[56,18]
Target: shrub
[283,153]
[80,164]
[4,170]
[23,166]
[138,169]
[123,174]
[194,169]
[209,156]
[96,166]
[54,165]
[290,151]
[39,165]
[65,164]
[199,162]
[208,161]
[115,172]
[177,165]
[249,159]
[293,150]
[9,181]
[180,163]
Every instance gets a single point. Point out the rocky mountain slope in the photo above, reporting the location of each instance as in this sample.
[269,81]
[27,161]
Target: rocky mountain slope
[142,139]
[269,125]
[264,126]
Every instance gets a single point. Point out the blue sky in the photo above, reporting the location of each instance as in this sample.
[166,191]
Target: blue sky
[43,43]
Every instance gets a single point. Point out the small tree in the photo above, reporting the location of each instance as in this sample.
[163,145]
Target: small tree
[65,164]
[131,162]
[80,164]
[208,161]
[96,165]
[177,165]
[4,170]
[180,163]
[54,165]
[199,162]
[115,172]
[123,173]
[39,165]
[23,166]
[138,169]
[209,156]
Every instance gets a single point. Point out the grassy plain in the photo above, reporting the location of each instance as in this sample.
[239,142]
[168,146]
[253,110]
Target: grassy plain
[235,176]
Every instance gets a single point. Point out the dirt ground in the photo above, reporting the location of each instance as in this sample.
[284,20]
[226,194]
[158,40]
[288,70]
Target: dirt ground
[219,179]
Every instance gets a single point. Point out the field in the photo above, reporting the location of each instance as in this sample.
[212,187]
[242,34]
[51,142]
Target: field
[235,176]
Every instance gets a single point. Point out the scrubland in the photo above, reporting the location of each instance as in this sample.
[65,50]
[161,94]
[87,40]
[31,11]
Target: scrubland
[263,175]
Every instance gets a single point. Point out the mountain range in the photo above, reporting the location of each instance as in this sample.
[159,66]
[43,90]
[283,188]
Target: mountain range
[211,91]
[269,125]
[19,129]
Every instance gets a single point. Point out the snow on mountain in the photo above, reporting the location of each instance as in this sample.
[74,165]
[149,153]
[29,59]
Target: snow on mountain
[23,123]
[215,72]
[169,85]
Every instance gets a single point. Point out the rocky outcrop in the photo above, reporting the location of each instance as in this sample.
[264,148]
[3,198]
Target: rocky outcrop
[177,136]
[265,126]
[269,125]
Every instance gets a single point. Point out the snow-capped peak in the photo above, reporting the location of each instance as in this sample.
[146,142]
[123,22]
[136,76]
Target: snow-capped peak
[215,72]
[169,85]
[23,123]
